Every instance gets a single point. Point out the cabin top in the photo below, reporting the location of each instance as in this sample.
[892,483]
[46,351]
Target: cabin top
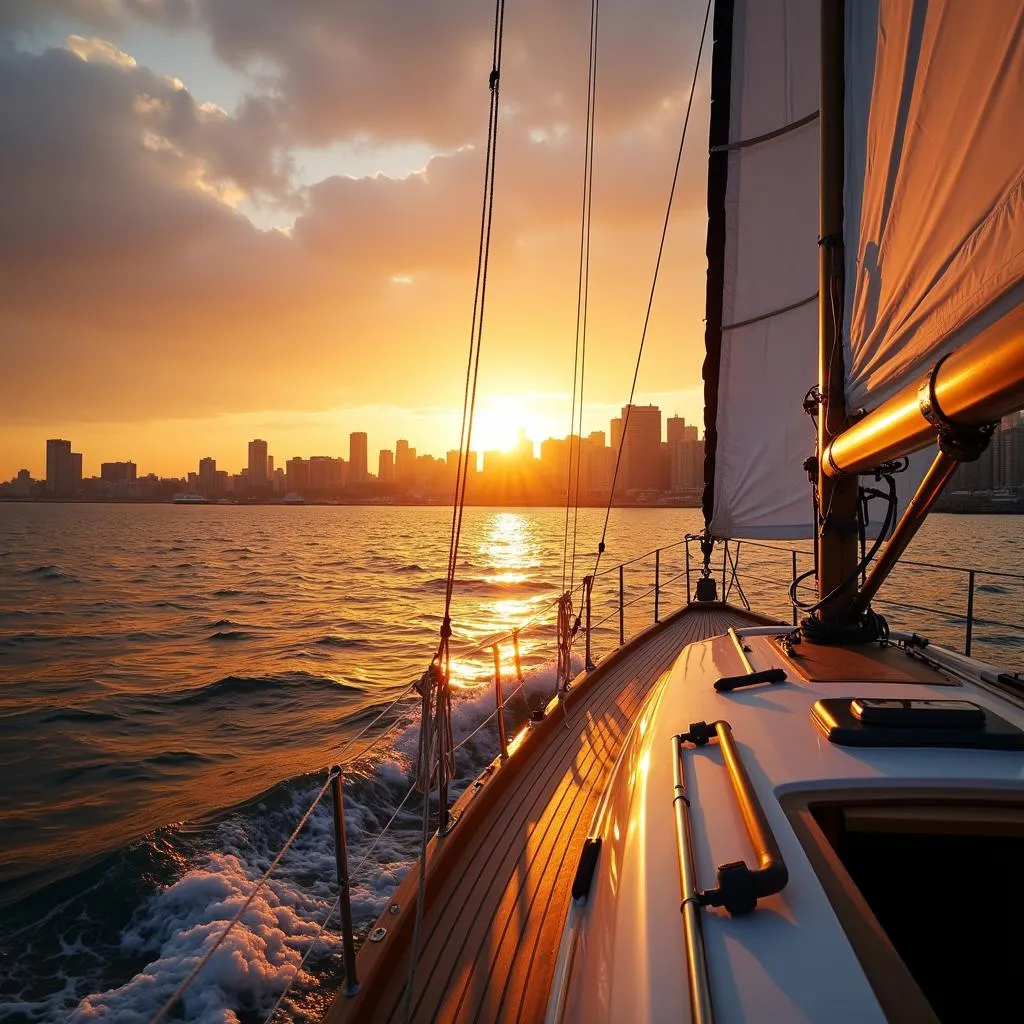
[882,846]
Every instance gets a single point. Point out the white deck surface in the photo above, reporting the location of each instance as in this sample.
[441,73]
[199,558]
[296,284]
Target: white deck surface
[790,960]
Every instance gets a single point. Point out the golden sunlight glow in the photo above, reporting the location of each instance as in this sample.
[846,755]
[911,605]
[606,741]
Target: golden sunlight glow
[501,421]
[496,430]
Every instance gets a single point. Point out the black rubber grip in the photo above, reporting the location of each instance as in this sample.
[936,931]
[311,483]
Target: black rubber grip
[768,675]
[585,869]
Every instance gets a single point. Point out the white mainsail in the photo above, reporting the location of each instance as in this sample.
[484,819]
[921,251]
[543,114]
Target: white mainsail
[763,273]
[933,224]
[934,184]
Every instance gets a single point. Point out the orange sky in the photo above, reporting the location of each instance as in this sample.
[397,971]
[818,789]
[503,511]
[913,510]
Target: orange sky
[187,266]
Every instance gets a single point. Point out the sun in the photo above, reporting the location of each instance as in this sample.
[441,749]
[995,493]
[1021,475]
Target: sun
[500,425]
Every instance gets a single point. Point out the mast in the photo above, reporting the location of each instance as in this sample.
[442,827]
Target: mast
[836,527]
[718,176]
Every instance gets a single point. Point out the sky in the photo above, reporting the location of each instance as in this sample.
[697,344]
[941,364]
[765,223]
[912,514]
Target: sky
[229,219]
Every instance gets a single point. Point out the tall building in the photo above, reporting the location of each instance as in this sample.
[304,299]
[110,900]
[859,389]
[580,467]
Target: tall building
[405,461]
[326,473]
[676,430]
[59,468]
[641,449]
[616,433]
[258,477]
[297,475]
[686,465]
[386,466]
[357,463]
[208,477]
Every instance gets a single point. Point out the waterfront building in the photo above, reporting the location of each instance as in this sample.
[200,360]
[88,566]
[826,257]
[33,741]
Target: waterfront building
[207,484]
[119,472]
[297,476]
[257,475]
[405,462]
[357,458]
[676,430]
[386,466]
[60,468]
[641,468]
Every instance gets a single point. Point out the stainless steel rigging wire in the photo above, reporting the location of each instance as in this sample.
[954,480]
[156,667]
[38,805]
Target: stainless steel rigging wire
[654,285]
[442,658]
[572,496]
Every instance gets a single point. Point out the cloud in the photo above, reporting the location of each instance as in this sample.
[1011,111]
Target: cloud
[398,71]
[26,15]
[132,286]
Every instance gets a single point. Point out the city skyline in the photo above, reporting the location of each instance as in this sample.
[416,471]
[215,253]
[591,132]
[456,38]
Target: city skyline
[655,458]
[494,425]
[289,237]
[528,470]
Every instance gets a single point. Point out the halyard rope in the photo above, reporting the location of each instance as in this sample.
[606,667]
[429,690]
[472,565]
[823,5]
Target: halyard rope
[441,664]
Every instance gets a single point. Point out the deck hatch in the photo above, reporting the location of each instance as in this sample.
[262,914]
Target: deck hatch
[914,723]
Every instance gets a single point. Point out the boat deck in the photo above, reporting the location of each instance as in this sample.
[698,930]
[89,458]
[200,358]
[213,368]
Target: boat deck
[498,884]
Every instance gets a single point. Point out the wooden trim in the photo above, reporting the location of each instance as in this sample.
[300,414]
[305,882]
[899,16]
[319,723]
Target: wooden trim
[376,961]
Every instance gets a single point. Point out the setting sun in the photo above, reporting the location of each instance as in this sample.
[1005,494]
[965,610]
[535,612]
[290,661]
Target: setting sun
[503,420]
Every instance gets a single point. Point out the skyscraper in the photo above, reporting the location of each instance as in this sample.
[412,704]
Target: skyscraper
[386,466]
[677,430]
[641,448]
[207,477]
[297,475]
[258,477]
[59,467]
[405,461]
[357,468]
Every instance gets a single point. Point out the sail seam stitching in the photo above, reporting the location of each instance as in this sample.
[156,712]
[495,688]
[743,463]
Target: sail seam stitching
[728,147]
[768,316]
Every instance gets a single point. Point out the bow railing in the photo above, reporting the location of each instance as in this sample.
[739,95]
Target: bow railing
[610,606]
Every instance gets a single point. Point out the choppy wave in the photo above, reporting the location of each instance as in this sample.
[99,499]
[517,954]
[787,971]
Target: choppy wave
[52,573]
[347,642]
[304,684]
[79,715]
[178,919]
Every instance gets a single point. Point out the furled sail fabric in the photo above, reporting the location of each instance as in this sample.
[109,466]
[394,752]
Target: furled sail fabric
[934,183]
[761,334]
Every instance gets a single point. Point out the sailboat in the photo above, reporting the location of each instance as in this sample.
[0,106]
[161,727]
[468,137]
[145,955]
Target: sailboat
[729,818]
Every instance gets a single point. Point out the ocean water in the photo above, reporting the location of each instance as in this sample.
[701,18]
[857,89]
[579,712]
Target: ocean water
[174,681]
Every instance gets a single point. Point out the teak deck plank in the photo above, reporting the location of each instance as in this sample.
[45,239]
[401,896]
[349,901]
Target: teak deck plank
[489,933]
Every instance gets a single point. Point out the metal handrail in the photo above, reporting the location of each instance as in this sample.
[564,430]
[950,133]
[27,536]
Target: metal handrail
[740,887]
[701,1011]
[966,616]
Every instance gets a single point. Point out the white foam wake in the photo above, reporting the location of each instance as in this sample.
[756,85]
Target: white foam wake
[261,955]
